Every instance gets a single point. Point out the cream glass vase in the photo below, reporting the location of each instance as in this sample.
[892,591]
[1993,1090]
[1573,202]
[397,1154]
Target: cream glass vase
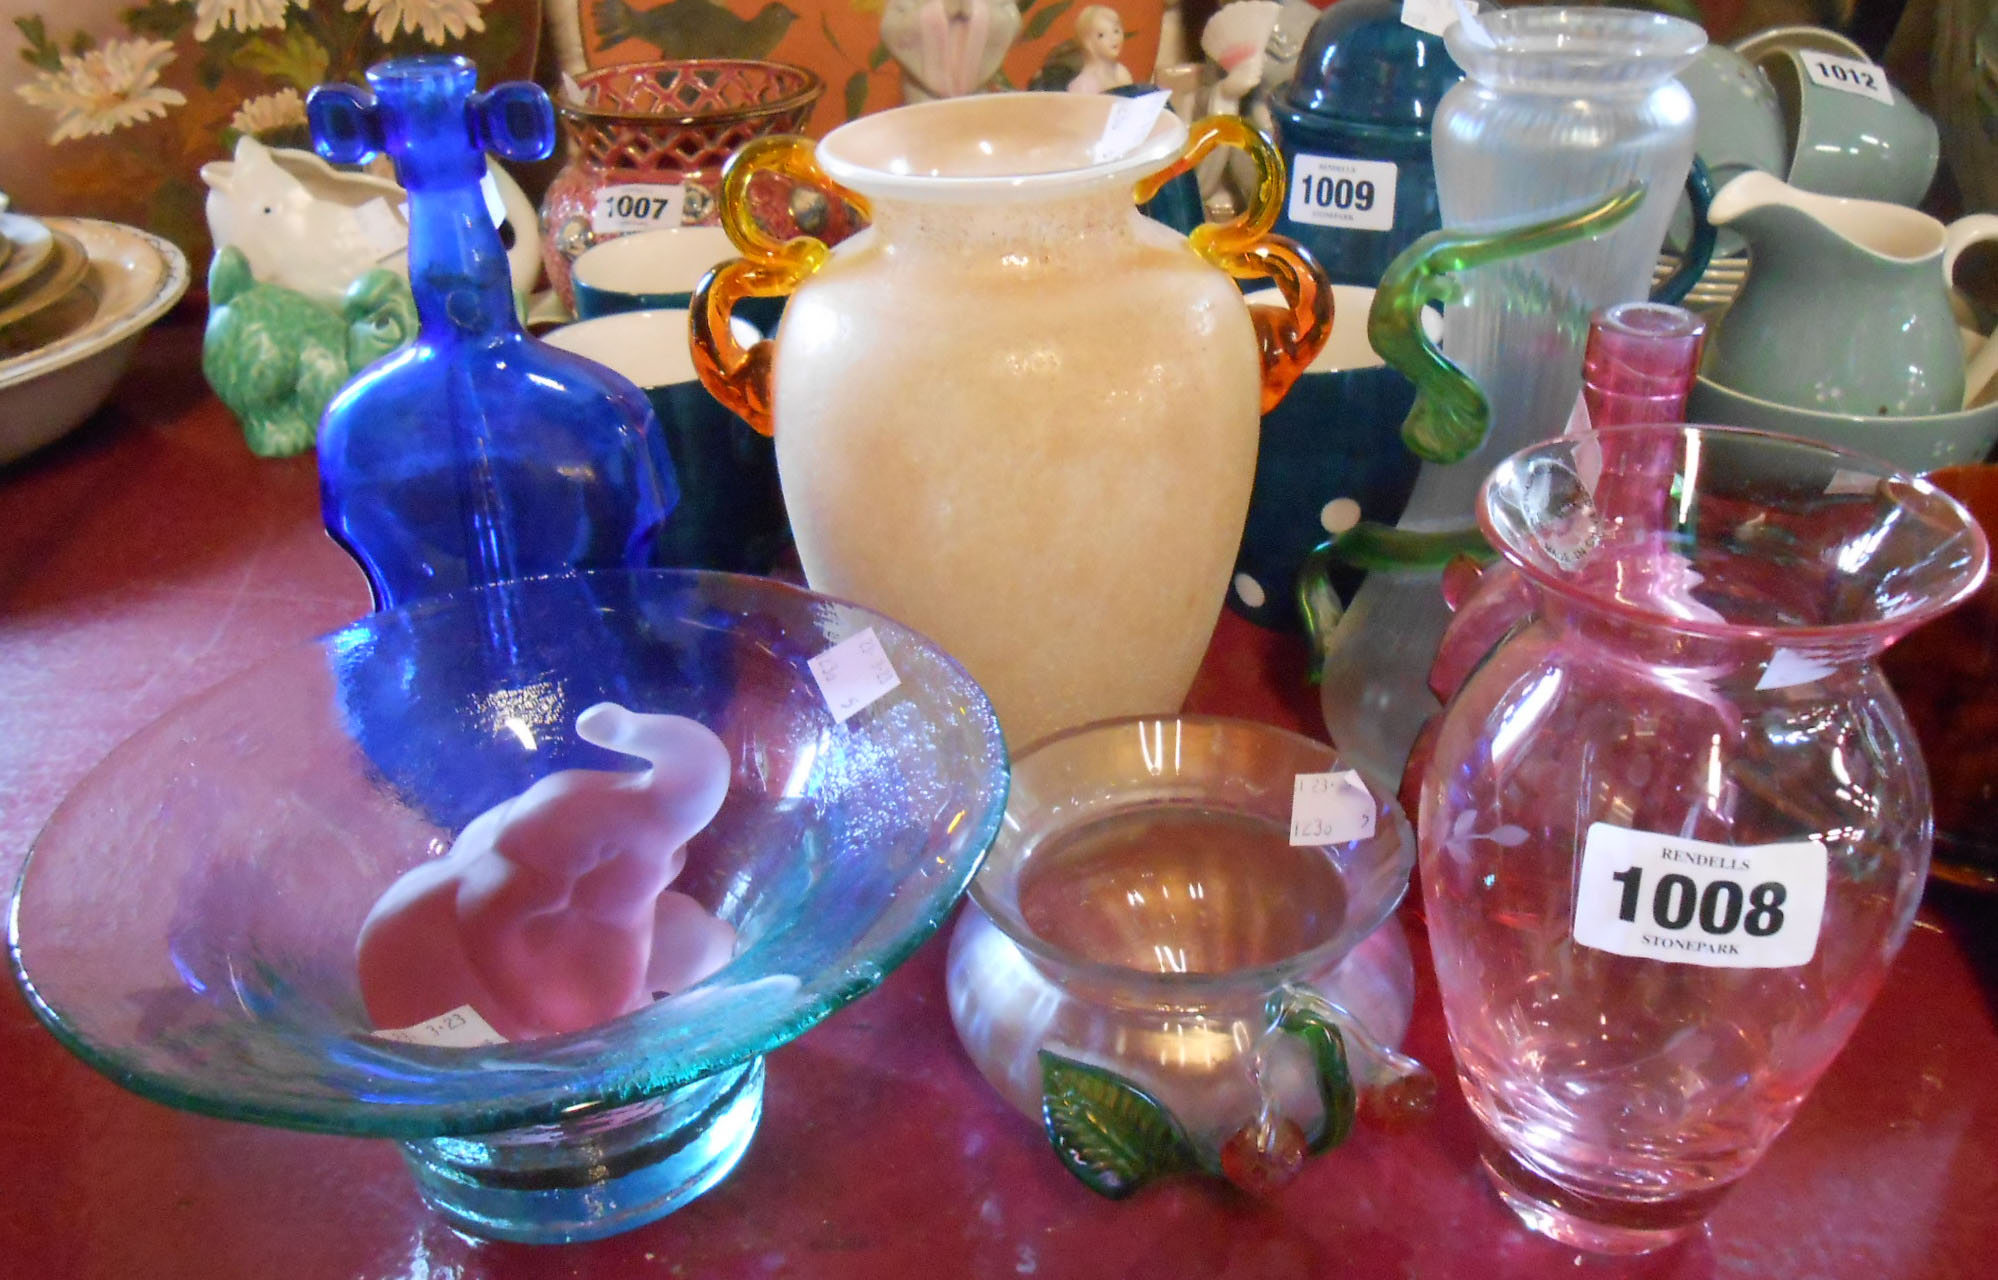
[1014,412]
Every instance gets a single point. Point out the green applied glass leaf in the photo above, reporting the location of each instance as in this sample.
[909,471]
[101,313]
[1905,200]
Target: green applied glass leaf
[1373,546]
[1451,415]
[1313,1024]
[1112,1135]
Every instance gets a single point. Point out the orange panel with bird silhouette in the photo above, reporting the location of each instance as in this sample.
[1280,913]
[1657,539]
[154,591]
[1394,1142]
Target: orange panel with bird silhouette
[838,39]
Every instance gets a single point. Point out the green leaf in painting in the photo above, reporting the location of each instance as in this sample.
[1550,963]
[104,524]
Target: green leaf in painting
[878,58]
[208,73]
[299,60]
[831,39]
[1112,1135]
[161,19]
[856,93]
[81,43]
[40,53]
[1038,25]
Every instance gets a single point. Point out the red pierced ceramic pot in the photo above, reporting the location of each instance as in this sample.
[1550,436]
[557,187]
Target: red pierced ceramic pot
[646,141]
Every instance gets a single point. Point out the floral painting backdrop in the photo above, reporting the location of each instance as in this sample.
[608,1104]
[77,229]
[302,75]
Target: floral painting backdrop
[111,108]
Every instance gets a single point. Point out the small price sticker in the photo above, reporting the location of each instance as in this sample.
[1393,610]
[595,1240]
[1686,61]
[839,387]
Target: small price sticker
[1579,421]
[1848,75]
[386,231]
[1330,808]
[853,673]
[495,203]
[1788,668]
[1130,123]
[462,1028]
[637,206]
[1330,191]
[1660,897]
[1845,483]
[1433,17]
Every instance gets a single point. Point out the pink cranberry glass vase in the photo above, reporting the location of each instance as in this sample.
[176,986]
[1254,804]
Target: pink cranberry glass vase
[1676,824]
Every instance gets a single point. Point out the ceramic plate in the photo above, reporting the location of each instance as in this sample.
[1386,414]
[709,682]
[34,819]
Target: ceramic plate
[54,322]
[30,245]
[61,270]
[51,284]
[1715,288]
[135,278]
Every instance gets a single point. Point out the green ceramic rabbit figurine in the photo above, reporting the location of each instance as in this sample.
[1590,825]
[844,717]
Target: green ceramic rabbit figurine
[276,357]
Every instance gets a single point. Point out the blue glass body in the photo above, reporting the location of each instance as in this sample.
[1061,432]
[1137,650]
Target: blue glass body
[1366,88]
[477,454]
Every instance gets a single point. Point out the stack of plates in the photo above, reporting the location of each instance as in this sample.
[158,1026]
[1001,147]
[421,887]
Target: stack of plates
[1716,286]
[75,293]
[40,269]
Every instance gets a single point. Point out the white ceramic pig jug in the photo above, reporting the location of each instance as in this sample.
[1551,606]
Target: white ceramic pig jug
[307,226]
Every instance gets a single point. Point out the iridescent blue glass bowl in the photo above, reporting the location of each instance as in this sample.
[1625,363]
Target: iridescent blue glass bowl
[186,922]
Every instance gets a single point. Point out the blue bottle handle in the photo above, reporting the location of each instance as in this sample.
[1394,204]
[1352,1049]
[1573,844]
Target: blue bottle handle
[515,121]
[346,127]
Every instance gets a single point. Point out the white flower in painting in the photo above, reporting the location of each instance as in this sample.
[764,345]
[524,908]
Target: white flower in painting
[105,89]
[260,115]
[436,19]
[240,15]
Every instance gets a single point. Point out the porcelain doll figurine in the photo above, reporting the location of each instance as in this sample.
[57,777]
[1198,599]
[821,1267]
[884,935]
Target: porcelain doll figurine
[1280,53]
[551,912]
[1100,34]
[948,48]
[1172,39]
[1236,41]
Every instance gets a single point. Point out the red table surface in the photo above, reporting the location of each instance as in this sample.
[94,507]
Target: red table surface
[150,555]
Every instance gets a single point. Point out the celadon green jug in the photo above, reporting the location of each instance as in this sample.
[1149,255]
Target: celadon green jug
[1846,305]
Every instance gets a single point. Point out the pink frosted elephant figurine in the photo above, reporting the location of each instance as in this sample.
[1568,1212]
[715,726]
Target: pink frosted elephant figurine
[550,913]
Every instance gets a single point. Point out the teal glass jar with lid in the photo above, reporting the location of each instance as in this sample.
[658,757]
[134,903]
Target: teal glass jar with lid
[1353,125]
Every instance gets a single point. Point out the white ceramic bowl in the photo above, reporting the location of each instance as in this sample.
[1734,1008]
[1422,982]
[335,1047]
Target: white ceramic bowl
[135,277]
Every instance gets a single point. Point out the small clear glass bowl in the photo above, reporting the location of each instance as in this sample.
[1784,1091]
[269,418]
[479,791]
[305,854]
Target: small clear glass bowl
[186,922]
[1182,963]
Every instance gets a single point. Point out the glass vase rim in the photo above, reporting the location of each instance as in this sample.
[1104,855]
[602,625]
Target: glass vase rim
[1163,143]
[1066,967]
[1871,634]
[1612,48]
[580,114]
[537,1100]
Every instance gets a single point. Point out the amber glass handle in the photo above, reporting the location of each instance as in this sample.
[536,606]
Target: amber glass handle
[768,268]
[1291,336]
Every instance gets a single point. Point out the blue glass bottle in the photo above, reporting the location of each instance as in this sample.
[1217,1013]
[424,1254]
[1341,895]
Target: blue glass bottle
[476,454]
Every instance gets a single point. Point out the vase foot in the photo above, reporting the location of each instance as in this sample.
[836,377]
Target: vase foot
[1592,1223]
[597,1175]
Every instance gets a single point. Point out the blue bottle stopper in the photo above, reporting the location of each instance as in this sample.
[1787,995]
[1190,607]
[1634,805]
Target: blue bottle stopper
[477,454]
